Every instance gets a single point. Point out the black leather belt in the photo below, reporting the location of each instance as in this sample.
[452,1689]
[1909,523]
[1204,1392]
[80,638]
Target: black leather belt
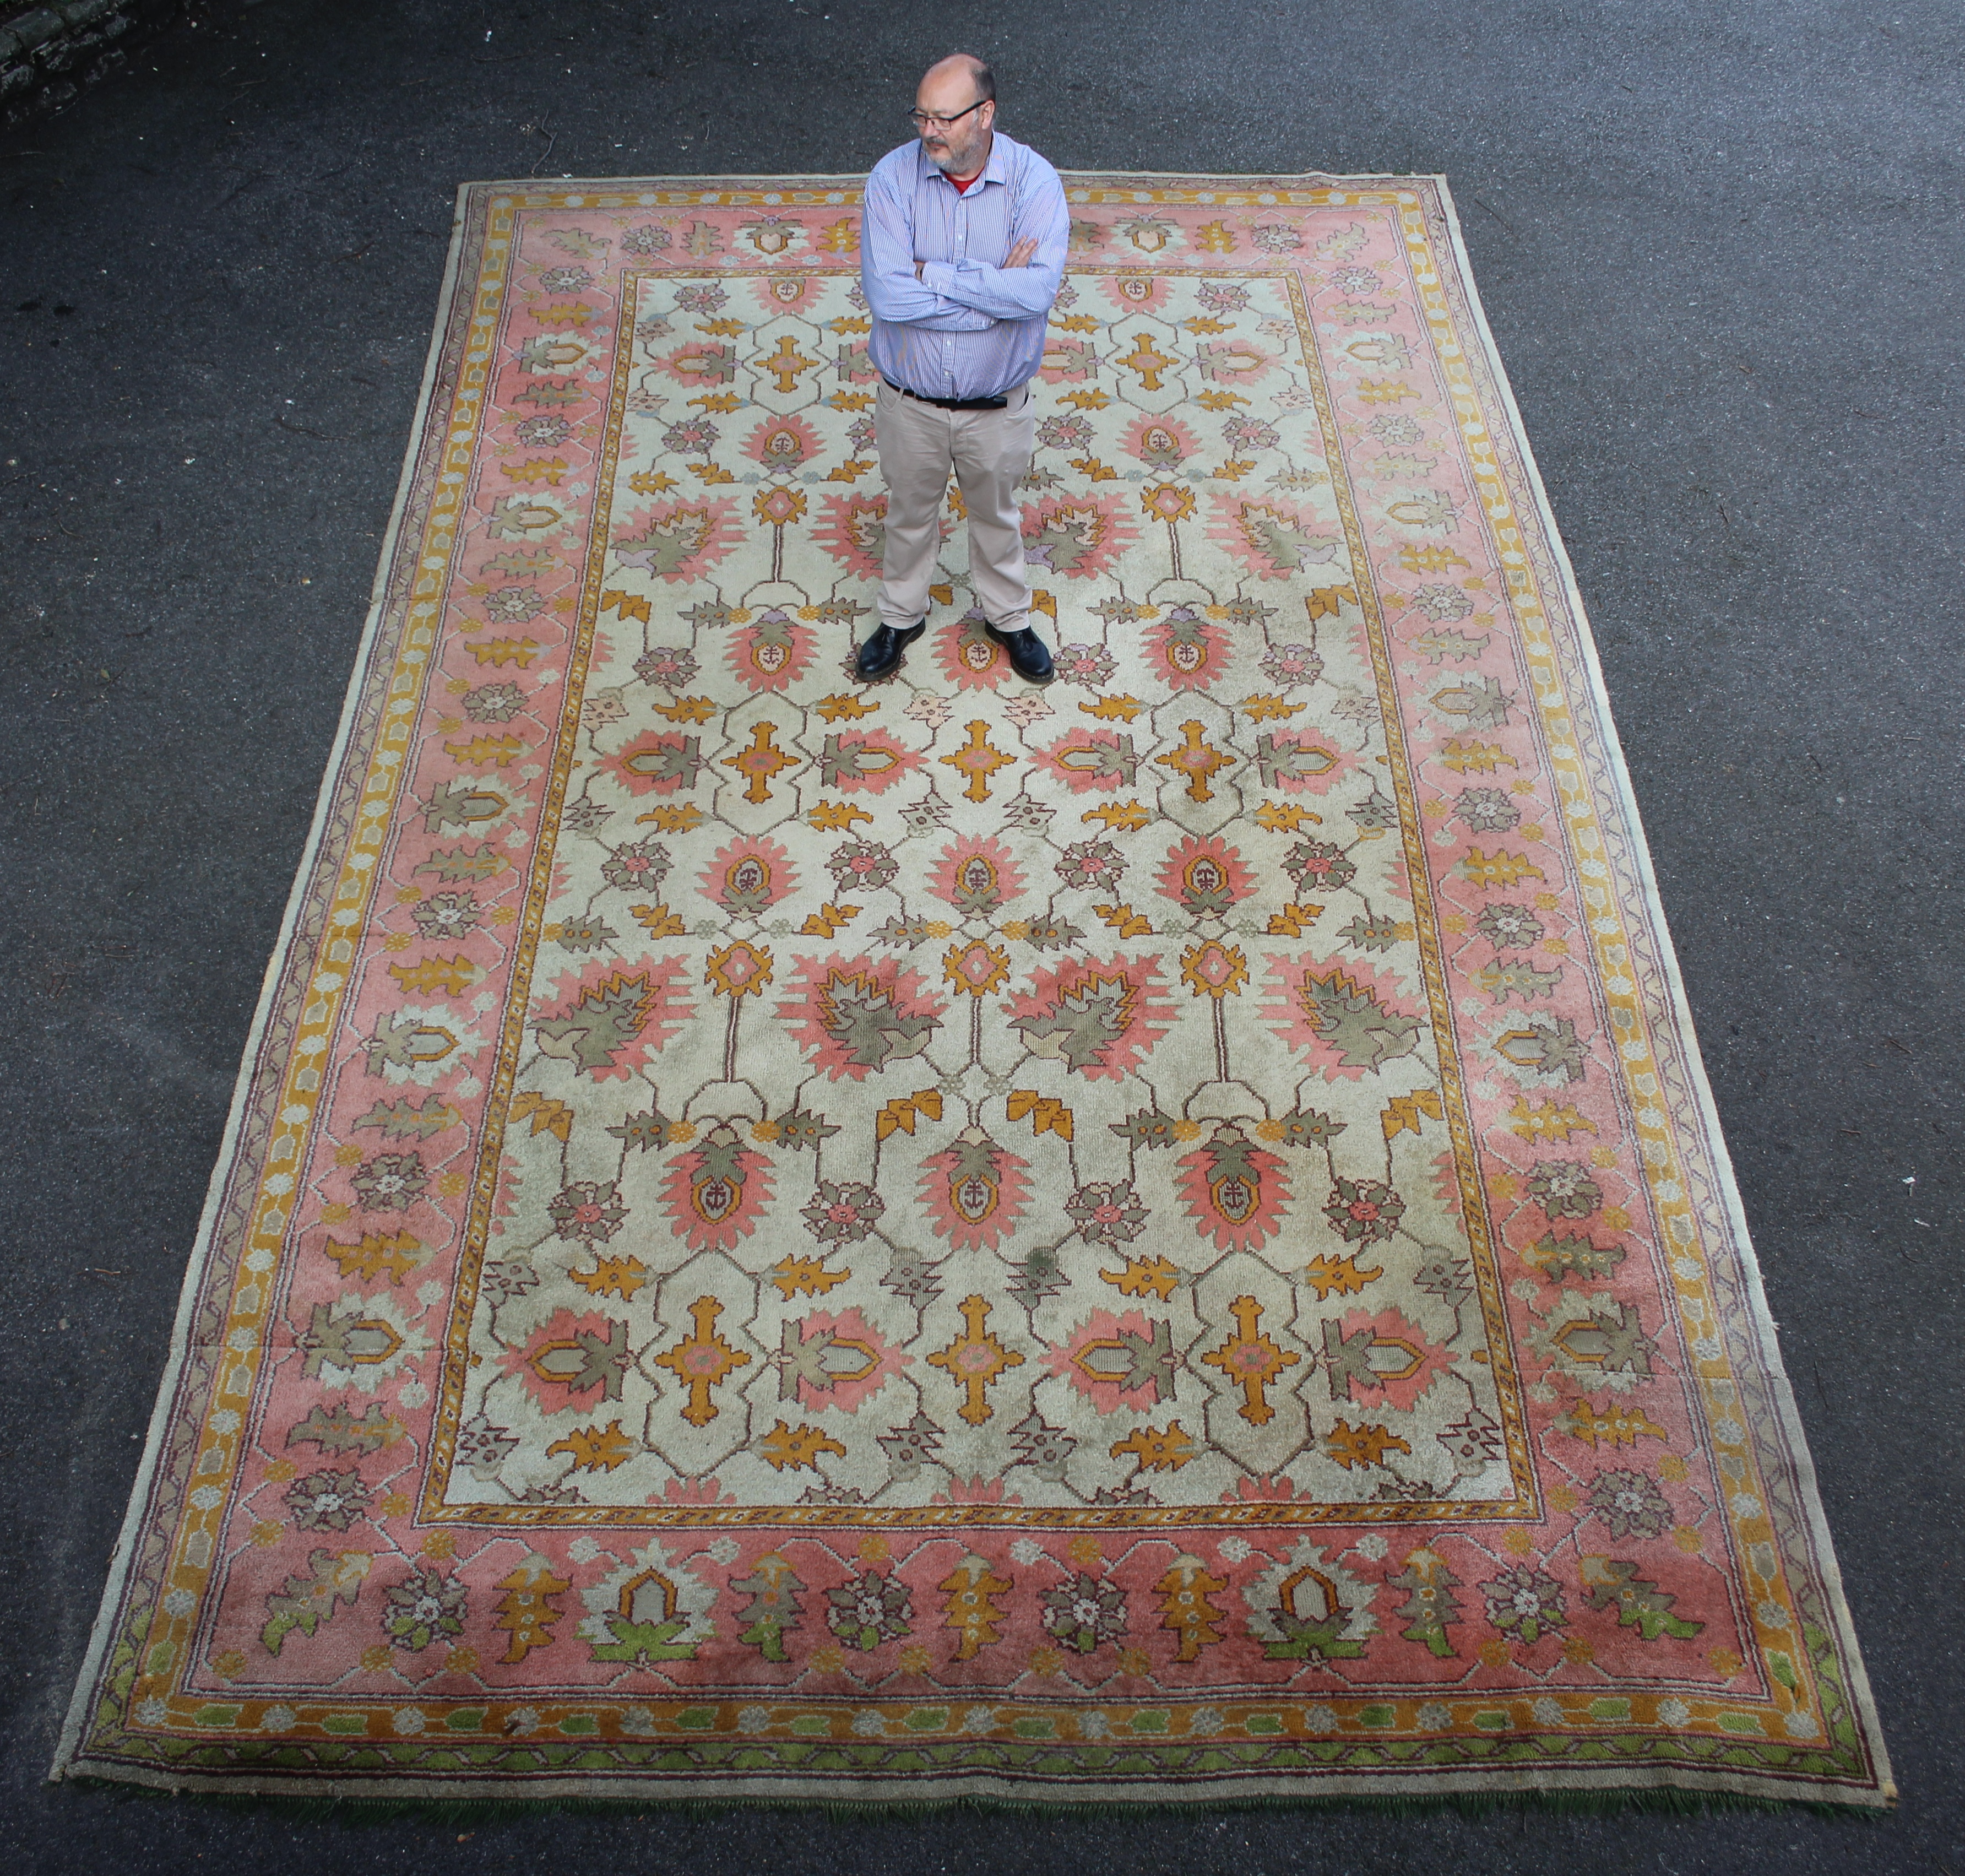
[951,403]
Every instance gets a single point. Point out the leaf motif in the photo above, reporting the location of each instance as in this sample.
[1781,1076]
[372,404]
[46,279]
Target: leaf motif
[1127,817]
[673,820]
[1402,1112]
[450,975]
[1340,1276]
[500,651]
[1325,602]
[1430,559]
[337,1430]
[1547,1120]
[899,1113]
[1046,1114]
[498,750]
[1361,1445]
[547,1115]
[1158,1451]
[1468,755]
[397,1120]
[617,1276]
[786,1447]
[1125,921]
[607,1016]
[595,1449]
[1144,1276]
[1292,921]
[1438,643]
[660,922]
[1516,978]
[805,1276]
[1279,818]
[687,711]
[829,920]
[1498,868]
[1351,1020]
[1114,709]
[1616,1425]
[376,1256]
[628,605]
[483,862]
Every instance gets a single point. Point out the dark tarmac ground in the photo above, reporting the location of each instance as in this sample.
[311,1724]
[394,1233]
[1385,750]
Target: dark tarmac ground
[1720,249]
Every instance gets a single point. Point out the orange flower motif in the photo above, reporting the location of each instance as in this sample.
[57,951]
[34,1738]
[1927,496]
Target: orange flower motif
[1214,969]
[739,970]
[1167,501]
[976,967]
[776,506]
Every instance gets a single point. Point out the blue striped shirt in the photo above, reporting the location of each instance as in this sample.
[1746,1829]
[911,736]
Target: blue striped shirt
[970,326]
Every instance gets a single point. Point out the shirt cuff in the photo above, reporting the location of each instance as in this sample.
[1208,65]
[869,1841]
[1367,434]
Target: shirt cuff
[938,275]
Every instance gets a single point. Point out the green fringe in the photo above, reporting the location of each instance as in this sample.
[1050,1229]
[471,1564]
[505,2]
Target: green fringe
[1474,1805]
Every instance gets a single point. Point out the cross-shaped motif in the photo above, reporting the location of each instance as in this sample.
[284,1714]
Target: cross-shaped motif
[700,1360]
[1197,759]
[1145,359]
[975,1359]
[759,762]
[977,760]
[786,363]
[1250,1360]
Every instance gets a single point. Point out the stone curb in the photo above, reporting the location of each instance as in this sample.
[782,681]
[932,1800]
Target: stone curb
[50,52]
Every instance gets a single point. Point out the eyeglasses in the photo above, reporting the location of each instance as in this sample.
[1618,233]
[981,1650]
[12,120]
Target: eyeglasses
[922,119]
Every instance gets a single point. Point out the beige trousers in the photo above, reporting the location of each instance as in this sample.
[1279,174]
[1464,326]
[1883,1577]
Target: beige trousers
[989,452]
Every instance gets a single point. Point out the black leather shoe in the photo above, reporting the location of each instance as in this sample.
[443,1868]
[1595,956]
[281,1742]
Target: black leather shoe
[1030,657]
[881,654]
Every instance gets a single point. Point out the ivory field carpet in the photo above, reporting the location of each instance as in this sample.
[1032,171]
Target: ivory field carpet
[1158,1240]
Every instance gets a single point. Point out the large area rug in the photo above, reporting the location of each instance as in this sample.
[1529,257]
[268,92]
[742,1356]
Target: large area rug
[1161,1239]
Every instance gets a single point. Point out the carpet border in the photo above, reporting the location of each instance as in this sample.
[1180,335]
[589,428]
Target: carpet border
[198,1265]
[1766,1330]
[1682,1789]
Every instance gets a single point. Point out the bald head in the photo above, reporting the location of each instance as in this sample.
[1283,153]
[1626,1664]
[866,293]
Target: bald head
[962,66]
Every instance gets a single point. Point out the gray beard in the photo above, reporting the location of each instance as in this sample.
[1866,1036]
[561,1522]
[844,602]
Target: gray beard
[950,165]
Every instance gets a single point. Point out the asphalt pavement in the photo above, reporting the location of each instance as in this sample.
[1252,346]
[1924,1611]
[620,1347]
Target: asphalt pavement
[1720,249]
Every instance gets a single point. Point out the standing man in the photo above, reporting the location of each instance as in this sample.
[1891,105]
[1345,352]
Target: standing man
[961,253]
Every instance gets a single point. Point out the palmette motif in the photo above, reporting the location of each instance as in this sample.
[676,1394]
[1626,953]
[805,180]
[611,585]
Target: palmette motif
[954,1238]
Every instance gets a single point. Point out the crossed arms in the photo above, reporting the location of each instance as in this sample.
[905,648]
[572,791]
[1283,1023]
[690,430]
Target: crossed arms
[965,296]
